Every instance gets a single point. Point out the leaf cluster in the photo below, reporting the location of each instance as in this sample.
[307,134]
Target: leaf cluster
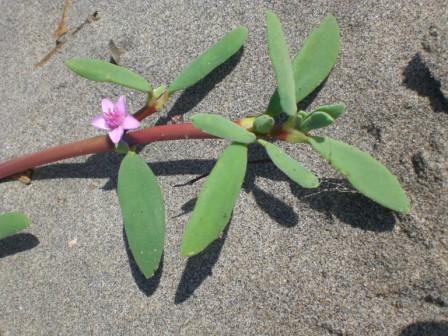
[140,196]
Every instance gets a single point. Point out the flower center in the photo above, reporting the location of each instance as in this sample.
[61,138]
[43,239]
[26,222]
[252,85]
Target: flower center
[114,118]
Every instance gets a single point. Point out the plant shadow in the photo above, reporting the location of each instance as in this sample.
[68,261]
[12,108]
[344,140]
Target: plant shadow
[418,78]
[146,286]
[273,206]
[193,95]
[308,100]
[102,165]
[335,197]
[198,268]
[17,243]
[332,197]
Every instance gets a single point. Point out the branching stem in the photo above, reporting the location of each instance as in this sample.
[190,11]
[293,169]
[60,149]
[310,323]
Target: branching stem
[100,144]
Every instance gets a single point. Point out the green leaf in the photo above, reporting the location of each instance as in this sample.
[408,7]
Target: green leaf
[12,223]
[143,212]
[278,51]
[216,200]
[334,110]
[293,169]
[101,71]
[313,62]
[365,173]
[316,120]
[263,124]
[210,59]
[222,128]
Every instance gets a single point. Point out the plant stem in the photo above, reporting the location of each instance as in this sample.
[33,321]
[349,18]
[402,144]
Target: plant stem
[100,144]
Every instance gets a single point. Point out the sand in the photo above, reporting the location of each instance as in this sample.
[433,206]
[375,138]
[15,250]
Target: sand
[293,261]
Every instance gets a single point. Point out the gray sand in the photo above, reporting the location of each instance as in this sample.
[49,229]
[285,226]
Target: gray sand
[293,262]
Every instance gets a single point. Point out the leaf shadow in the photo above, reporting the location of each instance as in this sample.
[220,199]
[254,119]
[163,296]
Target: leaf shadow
[198,268]
[146,286]
[427,328]
[187,207]
[308,100]
[418,78]
[335,197]
[17,243]
[102,165]
[193,95]
[273,206]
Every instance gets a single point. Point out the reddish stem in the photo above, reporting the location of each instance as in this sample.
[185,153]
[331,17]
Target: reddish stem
[100,144]
[144,112]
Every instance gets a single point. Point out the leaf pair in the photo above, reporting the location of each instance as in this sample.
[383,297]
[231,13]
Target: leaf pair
[11,223]
[217,54]
[219,193]
[310,66]
[223,128]
[365,173]
[144,216]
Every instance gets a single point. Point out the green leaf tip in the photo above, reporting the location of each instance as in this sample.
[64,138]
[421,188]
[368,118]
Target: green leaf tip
[143,212]
[11,223]
[210,59]
[222,128]
[281,62]
[293,169]
[320,117]
[365,173]
[215,201]
[101,71]
[313,63]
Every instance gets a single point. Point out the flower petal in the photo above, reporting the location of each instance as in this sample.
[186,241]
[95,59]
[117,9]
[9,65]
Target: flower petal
[120,105]
[116,134]
[130,122]
[99,122]
[107,105]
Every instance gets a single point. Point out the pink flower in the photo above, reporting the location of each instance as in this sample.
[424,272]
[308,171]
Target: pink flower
[115,119]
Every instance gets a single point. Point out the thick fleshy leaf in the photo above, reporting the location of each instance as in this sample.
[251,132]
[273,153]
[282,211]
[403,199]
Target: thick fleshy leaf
[316,120]
[334,110]
[216,200]
[313,62]
[143,212]
[293,169]
[11,223]
[263,124]
[101,71]
[210,59]
[365,173]
[222,128]
[278,51]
